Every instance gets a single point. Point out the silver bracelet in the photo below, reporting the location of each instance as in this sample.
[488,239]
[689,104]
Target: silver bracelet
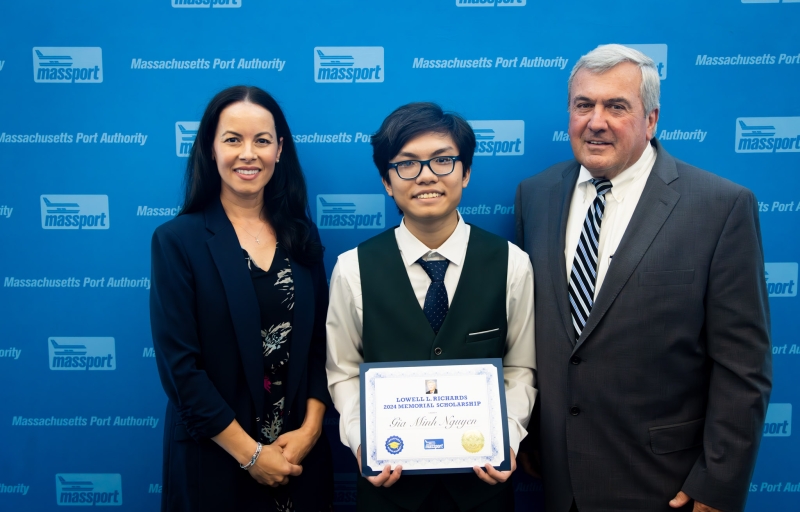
[252,460]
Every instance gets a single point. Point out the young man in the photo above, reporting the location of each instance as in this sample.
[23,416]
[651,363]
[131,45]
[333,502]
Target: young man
[385,306]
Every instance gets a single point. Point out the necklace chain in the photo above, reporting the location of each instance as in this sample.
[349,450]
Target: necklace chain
[256,235]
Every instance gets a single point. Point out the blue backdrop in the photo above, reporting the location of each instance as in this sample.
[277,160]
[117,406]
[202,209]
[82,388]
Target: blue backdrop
[98,106]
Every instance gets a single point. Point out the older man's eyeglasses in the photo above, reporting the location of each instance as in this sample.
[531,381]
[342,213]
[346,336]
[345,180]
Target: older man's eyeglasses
[410,169]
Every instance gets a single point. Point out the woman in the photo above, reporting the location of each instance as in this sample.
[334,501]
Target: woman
[237,308]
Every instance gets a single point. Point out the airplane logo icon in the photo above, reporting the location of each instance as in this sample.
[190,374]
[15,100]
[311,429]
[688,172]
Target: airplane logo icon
[61,207]
[756,131]
[484,134]
[328,208]
[68,350]
[53,60]
[187,135]
[76,485]
[335,60]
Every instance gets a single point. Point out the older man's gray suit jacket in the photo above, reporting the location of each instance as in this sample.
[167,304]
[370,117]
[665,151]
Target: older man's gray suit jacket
[667,386]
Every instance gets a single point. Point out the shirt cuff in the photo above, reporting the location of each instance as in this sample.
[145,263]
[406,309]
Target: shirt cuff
[353,434]
[515,435]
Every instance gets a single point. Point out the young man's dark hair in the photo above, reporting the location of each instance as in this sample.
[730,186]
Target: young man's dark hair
[413,120]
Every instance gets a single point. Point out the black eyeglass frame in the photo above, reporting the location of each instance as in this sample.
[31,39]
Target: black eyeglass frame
[422,164]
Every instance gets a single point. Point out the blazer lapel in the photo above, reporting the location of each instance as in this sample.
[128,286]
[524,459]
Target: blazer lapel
[242,301]
[560,199]
[654,207]
[302,328]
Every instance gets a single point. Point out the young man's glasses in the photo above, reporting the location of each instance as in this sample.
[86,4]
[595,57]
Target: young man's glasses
[410,169]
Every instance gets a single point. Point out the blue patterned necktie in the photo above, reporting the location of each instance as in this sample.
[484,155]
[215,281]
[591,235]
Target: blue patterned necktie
[584,268]
[436,305]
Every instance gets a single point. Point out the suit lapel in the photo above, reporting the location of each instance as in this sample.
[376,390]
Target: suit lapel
[302,327]
[654,207]
[242,301]
[560,199]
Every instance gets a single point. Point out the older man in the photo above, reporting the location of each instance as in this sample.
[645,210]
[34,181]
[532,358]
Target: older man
[652,332]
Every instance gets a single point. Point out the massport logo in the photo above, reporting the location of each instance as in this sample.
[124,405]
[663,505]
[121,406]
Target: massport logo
[89,489]
[185,133]
[491,3]
[351,211]
[82,353]
[74,212]
[778,422]
[499,138]
[348,64]
[66,65]
[781,279]
[205,4]
[768,135]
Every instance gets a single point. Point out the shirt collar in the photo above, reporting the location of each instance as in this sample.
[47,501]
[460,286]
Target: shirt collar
[621,183]
[454,248]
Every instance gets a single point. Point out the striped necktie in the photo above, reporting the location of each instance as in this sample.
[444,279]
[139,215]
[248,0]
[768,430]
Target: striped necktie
[584,268]
[436,304]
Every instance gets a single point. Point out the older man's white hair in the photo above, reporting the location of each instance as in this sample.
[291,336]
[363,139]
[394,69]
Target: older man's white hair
[606,56]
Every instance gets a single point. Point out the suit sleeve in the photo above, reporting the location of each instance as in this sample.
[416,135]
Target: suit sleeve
[738,345]
[519,233]
[173,320]
[317,378]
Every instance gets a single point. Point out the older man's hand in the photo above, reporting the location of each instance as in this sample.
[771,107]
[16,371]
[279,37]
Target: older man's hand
[682,499]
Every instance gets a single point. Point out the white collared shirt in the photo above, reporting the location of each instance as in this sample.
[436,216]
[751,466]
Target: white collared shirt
[621,201]
[345,322]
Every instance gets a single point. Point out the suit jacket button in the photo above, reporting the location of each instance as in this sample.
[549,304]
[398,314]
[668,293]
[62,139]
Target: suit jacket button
[437,351]
[575,360]
[574,411]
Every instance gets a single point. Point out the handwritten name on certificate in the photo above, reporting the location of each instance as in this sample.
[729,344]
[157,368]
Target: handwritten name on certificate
[433,417]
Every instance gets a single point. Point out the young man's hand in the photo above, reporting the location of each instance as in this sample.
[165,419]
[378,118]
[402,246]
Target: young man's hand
[386,478]
[491,476]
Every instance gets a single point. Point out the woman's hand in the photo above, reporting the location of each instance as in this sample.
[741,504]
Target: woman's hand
[272,468]
[297,443]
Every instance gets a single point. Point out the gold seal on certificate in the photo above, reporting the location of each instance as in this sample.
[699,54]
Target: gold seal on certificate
[472,441]
[433,417]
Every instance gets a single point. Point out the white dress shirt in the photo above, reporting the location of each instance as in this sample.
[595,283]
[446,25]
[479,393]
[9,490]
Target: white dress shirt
[621,201]
[345,322]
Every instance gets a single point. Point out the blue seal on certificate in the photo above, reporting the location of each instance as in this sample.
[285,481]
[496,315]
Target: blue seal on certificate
[394,445]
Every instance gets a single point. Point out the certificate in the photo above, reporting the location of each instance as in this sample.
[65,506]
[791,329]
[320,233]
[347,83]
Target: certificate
[433,416]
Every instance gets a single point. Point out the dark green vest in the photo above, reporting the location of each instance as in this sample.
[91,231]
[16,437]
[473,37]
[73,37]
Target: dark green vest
[396,329]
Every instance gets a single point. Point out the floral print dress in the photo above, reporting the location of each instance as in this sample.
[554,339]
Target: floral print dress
[275,291]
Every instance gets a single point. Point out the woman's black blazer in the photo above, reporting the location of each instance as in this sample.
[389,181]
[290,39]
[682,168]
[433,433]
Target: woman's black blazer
[205,320]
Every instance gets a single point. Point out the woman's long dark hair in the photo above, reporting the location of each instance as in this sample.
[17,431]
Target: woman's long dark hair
[285,196]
